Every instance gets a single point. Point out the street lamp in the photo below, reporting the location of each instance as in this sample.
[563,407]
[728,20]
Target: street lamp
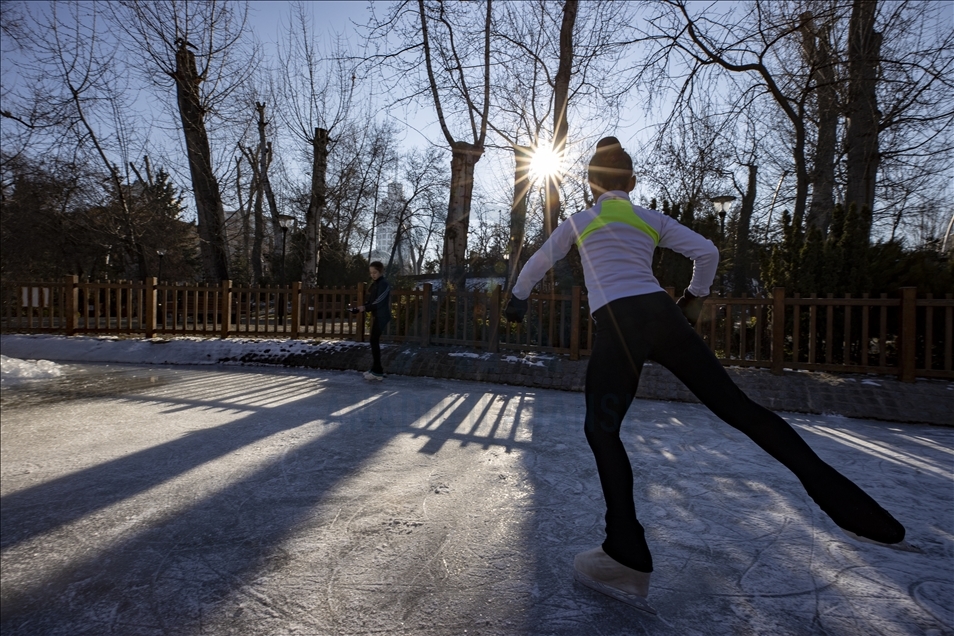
[109,249]
[722,205]
[286,222]
[160,252]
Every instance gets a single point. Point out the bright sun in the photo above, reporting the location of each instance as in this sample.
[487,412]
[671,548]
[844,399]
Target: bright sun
[545,163]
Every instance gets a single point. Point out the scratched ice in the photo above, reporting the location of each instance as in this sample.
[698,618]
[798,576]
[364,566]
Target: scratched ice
[227,500]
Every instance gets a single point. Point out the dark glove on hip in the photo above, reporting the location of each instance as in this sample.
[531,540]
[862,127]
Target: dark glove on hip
[516,309]
[691,306]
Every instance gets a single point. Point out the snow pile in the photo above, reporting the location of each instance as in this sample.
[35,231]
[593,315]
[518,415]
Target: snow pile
[14,370]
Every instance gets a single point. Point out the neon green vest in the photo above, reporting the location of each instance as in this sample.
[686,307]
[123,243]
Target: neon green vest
[617,211]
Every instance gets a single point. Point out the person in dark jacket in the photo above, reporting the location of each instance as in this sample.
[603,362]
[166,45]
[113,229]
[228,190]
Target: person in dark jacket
[379,306]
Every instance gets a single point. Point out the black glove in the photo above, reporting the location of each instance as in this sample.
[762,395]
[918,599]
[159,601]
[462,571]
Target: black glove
[691,306]
[354,310]
[516,309]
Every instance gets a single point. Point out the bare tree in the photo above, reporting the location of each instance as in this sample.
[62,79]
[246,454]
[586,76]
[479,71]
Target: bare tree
[316,92]
[200,48]
[364,153]
[77,76]
[791,52]
[439,37]
[818,47]
[423,175]
[554,63]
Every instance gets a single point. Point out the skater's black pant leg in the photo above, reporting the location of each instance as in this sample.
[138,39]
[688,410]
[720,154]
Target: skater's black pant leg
[376,346]
[684,353]
[612,377]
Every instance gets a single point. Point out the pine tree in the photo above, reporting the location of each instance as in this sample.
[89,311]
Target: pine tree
[812,262]
[854,249]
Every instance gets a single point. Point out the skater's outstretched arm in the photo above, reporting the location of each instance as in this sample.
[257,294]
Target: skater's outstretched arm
[554,249]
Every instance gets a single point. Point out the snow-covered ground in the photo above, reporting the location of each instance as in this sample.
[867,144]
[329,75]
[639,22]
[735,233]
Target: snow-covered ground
[154,499]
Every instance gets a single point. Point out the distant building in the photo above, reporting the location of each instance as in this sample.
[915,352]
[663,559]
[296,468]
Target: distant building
[386,232]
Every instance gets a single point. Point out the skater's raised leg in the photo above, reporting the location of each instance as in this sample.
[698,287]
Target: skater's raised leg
[680,349]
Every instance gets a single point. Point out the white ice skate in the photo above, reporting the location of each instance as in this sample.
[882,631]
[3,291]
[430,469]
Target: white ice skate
[371,376]
[598,571]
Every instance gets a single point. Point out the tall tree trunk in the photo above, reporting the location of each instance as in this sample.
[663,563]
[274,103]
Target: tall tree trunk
[740,266]
[801,170]
[316,205]
[861,136]
[463,159]
[256,194]
[208,201]
[523,155]
[265,160]
[818,54]
[269,194]
[464,156]
[561,93]
[246,213]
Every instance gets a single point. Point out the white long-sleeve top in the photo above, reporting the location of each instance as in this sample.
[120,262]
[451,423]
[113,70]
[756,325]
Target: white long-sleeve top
[616,240]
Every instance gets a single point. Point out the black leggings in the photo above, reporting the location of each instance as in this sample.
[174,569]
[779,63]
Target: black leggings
[634,329]
[376,329]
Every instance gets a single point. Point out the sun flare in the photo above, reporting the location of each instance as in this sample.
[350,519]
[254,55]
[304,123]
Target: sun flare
[545,163]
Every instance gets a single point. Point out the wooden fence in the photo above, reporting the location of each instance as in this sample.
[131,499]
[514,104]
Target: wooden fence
[902,335]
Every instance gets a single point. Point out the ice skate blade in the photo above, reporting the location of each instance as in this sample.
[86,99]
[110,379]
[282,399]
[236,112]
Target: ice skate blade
[901,546]
[630,599]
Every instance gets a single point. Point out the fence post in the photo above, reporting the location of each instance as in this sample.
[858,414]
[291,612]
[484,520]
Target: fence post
[295,308]
[360,335]
[226,308]
[426,316]
[72,304]
[149,311]
[493,335]
[909,299]
[778,330]
[575,323]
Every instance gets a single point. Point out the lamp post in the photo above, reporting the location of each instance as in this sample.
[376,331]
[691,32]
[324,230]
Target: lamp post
[285,221]
[722,205]
[161,253]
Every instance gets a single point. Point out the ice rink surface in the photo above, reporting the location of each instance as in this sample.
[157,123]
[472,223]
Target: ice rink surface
[229,500]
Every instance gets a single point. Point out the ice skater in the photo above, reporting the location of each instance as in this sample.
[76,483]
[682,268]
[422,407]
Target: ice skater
[379,305]
[637,320]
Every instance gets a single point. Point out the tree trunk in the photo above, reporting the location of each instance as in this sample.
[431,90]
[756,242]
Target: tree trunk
[256,194]
[518,210]
[740,266]
[801,170]
[208,202]
[861,136]
[259,237]
[246,213]
[463,159]
[265,160]
[818,54]
[561,92]
[316,205]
